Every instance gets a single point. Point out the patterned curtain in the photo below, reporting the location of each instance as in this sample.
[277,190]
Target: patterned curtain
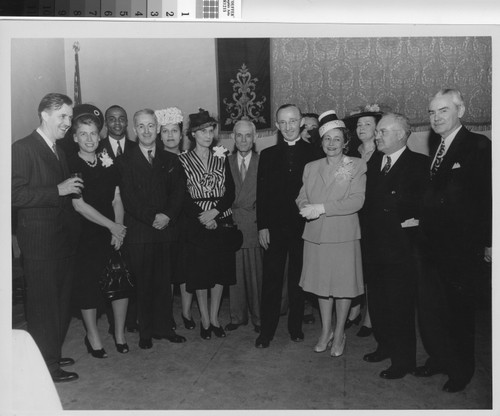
[399,74]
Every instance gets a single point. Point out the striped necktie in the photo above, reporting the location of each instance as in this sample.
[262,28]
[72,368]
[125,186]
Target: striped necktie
[150,157]
[387,165]
[54,149]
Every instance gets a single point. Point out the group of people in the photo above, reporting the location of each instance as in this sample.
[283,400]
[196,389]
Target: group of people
[373,220]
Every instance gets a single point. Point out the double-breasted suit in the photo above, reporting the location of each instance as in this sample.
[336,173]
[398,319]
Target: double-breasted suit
[279,179]
[244,296]
[391,252]
[47,232]
[457,211]
[147,190]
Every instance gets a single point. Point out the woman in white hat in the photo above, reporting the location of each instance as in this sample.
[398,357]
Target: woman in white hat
[332,193]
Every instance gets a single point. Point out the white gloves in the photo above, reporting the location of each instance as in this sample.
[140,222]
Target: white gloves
[312,211]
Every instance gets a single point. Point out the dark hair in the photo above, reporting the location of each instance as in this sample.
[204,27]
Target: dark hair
[53,101]
[282,107]
[159,141]
[113,107]
[311,115]
[84,120]
[192,140]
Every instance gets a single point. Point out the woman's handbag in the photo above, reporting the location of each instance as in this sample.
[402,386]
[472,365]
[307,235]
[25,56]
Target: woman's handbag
[231,237]
[116,280]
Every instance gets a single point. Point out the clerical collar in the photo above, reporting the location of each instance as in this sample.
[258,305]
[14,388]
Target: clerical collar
[292,142]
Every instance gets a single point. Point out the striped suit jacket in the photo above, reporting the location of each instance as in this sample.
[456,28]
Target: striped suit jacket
[47,225]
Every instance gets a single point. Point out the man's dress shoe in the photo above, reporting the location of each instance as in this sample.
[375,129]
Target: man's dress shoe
[364,331]
[394,373]
[145,343]
[298,337]
[375,357]
[262,342]
[60,376]
[177,339]
[63,362]
[424,371]
[453,386]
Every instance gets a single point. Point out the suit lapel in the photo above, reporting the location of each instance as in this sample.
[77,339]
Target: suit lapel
[47,154]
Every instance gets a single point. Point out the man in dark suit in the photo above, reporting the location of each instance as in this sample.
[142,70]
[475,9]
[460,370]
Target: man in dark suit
[280,225]
[244,296]
[117,142]
[152,189]
[47,229]
[457,225]
[396,179]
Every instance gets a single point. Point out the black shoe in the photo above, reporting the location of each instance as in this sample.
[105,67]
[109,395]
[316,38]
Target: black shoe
[257,329]
[63,362]
[177,339]
[133,328]
[375,357]
[205,333]
[452,386]
[394,373]
[95,353]
[308,319]
[145,343]
[262,342]
[188,323]
[121,348]
[60,376]
[298,337]
[355,321]
[218,331]
[364,331]
[231,327]
[425,371]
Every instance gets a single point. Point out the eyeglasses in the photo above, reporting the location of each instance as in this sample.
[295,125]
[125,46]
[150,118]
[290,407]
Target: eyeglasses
[292,123]
[384,132]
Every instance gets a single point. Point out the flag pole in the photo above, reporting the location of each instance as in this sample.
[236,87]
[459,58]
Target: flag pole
[77,87]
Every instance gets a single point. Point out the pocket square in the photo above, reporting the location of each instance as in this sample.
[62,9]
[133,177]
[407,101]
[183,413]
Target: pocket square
[456,165]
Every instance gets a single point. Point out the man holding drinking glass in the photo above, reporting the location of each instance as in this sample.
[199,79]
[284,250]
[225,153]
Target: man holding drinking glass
[47,229]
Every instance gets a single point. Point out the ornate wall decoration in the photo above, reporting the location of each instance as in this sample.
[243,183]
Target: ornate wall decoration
[244,104]
[319,74]
[244,78]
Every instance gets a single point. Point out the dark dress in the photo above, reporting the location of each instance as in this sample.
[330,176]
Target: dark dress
[94,246]
[208,259]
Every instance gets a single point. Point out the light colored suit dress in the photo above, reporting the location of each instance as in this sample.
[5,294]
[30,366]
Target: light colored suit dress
[332,253]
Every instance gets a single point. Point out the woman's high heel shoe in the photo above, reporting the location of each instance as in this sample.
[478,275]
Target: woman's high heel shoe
[337,351]
[188,323]
[95,353]
[205,333]
[121,348]
[319,347]
[355,321]
[218,331]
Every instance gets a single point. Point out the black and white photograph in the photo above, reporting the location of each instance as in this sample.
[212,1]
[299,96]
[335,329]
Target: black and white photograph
[248,216]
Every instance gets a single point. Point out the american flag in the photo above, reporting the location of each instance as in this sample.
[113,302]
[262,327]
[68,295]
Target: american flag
[77,89]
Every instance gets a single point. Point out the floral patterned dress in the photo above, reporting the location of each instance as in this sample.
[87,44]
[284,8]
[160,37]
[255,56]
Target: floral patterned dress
[208,261]
[94,245]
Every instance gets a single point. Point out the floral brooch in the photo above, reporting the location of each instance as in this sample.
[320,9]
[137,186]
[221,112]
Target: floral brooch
[220,151]
[344,171]
[105,159]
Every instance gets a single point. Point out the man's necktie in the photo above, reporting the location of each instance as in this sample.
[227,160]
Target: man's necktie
[387,165]
[119,150]
[54,149]
[150,157]
[439,159]
[243,169]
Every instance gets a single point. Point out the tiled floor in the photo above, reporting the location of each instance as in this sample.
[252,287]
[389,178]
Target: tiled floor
[231,373]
